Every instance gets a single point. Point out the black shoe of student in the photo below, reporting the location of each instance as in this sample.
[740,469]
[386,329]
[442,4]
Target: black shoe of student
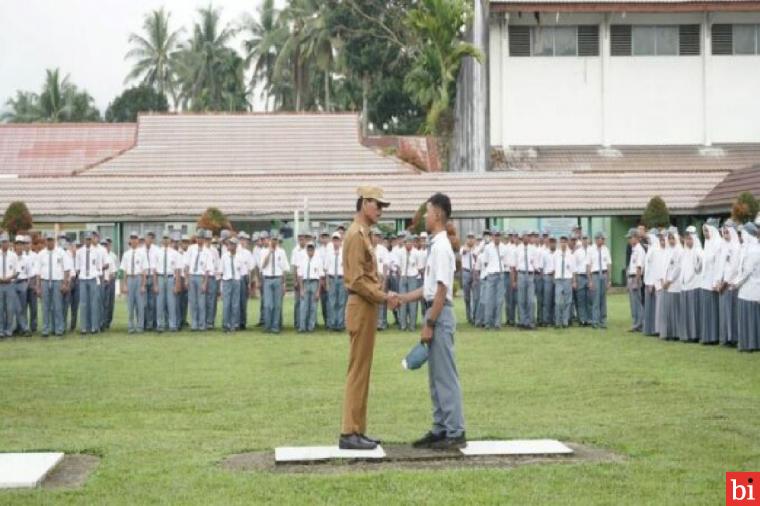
[450,443]
[370,439]
[355,442]
[428,439]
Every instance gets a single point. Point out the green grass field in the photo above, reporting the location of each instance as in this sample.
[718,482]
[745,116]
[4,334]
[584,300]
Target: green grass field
[162,411]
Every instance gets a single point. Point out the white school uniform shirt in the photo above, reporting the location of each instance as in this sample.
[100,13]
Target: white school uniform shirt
[136,267]
[105,259]
[9,268]
[420,256]
[113,265]
[728,261]
[468,258]
[581,258]
[31,258]
[310,269]
[480,267]
[296,255]
[494,258]
[749,272]
[173,261]
[333,261]
[95,269]
[277,265]
[439,267]
[520,259]
[382,256]
[25,268]
[510,250]
[568,260]
[198,261]
[58,259]
[637,259]
[246,259]
[231,266]
[547,261]
[655,262]
[598,262]
[690,262]
[673,270]
[408,263]
[151,258]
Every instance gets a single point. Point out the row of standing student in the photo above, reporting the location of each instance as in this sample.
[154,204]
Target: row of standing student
[682,289]
[530,279]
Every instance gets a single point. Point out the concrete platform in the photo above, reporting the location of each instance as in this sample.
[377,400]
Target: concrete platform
[26,470]
[516,447]
[292,454]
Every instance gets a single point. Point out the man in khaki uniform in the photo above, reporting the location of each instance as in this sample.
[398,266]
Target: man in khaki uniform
[365,294]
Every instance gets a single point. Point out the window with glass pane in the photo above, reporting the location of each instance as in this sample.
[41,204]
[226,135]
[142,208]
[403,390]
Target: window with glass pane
[744,39]
[667,40]
[565,41]
[543,41]
[643,40]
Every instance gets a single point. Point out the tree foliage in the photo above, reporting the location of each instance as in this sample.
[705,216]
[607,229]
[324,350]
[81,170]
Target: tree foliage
[656,213]
[213,219]
[17,218]
[58,101]
[143,98]
[745,208]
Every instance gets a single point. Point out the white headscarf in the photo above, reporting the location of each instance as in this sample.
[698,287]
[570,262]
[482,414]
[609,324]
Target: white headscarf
[711,251]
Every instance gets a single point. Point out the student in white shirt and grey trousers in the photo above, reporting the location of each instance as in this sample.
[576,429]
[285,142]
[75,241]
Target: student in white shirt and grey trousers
[89,264]
[447,431]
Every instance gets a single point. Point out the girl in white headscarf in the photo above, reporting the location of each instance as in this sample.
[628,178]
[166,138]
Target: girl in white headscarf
[691,279]
[673,317]
[728,267]
[652,283]
[708,293]
[748,298]
[662,263]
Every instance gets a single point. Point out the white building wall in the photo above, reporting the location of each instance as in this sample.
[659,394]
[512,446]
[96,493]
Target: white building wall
[623,100]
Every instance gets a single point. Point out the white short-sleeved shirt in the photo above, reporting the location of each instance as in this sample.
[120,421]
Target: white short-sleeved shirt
[233,268]
[95,258]
[310,269]
[567,259]
[526,257]
[598,258]
[277,265]
[547,261]
[52,265]
[381,255]
[468,258]
[151,257]
[440,267]
[637,259]
[136,267]
[334,261]
[8,264]
[173,261]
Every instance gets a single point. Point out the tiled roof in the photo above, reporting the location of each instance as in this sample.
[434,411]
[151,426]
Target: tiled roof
[614,1]
[723,195]
[249,144]
[630,158]
[93,198]
[60,149]
[624,5]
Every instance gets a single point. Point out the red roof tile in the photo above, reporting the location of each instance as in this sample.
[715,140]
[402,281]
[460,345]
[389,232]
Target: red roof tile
[60,149]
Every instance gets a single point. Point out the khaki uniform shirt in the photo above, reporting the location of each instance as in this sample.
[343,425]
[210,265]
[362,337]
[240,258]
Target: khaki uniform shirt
[360,266]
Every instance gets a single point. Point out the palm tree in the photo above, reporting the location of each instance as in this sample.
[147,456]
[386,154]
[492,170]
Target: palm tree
[23,109]
[210,73]
[55,102]
[292,62]
[320,47]
[438,51]
[267,35]
[153,52]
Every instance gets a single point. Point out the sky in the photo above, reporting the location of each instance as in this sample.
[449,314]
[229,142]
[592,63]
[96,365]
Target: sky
[86,39]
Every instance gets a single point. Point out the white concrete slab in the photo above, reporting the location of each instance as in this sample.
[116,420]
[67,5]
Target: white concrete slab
[516,447]
[26,470]
[308,453]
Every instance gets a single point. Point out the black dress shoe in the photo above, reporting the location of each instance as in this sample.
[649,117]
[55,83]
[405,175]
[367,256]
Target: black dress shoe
[370,439]
[450,443]
[355,442]
[428,439]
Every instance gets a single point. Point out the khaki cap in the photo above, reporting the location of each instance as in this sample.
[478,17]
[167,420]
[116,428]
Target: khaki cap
[374,193]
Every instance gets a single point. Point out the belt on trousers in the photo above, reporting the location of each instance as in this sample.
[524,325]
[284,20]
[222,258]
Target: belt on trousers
[529,273]
[20,280]
[597,272]
[166,275]
[272,277]
[333,276]
[447,303]
[584,274]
